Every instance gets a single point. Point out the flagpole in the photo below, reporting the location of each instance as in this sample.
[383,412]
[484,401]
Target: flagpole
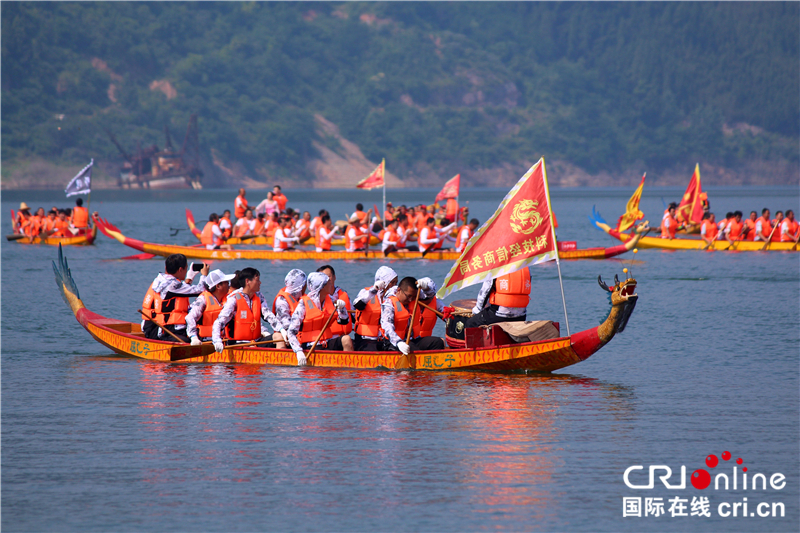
[383,215]
[555,244]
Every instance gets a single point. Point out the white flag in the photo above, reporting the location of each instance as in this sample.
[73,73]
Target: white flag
[82,183]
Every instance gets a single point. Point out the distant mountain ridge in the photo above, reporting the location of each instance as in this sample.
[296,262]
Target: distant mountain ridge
[316,94]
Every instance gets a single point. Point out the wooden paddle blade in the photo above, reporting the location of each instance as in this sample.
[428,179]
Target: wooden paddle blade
[15,236]
[406,362]
[187,351]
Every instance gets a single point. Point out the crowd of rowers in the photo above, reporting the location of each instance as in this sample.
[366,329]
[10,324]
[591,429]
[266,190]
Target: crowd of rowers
[736,228]
[231,309]
[56,223]
[421,228]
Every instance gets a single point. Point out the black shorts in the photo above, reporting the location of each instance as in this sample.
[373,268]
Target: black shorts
[360,344]
[332,345]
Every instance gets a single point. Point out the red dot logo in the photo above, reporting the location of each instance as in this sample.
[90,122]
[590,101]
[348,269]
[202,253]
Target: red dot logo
[726,456]
[712,461]
[739,461]
[700,479]
[744,469]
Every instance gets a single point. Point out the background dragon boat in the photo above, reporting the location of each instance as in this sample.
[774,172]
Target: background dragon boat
[689,243]
[547,355]
[83,238]
[165,250]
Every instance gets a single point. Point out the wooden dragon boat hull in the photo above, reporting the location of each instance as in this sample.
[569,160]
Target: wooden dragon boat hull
[293,255]
[690,244]
[263,240]
[126,338]
[78,240]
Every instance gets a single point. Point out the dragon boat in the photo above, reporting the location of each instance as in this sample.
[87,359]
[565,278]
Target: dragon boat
[544,355]
[83,238]
[689,243]
[165,250]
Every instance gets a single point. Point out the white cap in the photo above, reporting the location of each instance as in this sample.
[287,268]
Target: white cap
[215,277]
[354,218]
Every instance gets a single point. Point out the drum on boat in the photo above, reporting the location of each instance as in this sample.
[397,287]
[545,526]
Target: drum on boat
[454,330]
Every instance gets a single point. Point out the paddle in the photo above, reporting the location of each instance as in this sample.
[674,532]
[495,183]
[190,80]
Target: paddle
[15,236]
[709,245]
[404,362]
[179,353]
[322,332]
[429,308]
[369,232]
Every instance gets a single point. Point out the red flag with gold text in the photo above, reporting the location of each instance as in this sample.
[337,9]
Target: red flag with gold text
[450,189]
[375,179]
[520,233]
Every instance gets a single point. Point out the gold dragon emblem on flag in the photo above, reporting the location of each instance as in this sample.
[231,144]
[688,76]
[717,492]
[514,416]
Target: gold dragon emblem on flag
[524,215]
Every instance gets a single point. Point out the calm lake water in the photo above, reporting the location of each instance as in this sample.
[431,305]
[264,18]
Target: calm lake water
[709,363]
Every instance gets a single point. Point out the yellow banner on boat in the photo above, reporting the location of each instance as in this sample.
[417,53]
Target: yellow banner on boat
[632,213]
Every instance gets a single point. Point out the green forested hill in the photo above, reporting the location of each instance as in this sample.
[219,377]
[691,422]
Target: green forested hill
[439,87]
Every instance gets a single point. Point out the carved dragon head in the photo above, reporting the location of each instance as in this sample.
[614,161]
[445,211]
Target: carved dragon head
[642,228]
[623,301]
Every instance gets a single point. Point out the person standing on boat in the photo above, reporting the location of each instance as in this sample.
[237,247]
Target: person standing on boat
[242,313]
[166,303]
[368,311]
[267,206]
[80,215]
[206,308]
[240,204]
[310,316]
[708,230]
[396,311]
[339,294]
[504,299]
[285,301]
[279,197]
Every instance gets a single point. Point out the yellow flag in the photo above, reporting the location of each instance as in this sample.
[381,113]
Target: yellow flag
[632,213]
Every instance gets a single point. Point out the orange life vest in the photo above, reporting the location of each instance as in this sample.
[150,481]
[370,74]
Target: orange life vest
[711,229]
[260,227]
[150,302]
[315,319]
[31,226]
[464,235]
[452,209]
[387,216]
[320,241]
[792,228]
[393,236]
[343,329]
[238,210]
[213,307]
[669,232]
[289,299]
[80,217]
[736,230]
[751,229]
[243,228]
[368,320]
[430,235]
[207,236]
[48,225]
[281,200]
[425,320]
[226,233]
[512,290]
[62,228]
[401,317]
[362,216]
[177,307]
[282,245]
[246,321]
[348,242]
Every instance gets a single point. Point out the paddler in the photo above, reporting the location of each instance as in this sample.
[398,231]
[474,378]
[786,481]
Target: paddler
[426,318]
[317,222]
[356,237]
[206,308]
[391,239]
[166,302]
[722,224]
[465,234]
[283,239]
[311,315]
[733,231]
[80,215]
[504,299]
[246,307]
[708,230]
[49,223]
[279,197]
[261,225]
[302,227]
[245,225]
[443,232]
[339,294]
[776,222]
[324,234]
[62,225]
[396,311]
[763,226]
[240,205]
[749,230]
[286,300]
[388,215]
[33,225]
[428,236]
[368,311]
[362,216]
[211,236]
[406,234]
[21,217]
[669,225]
[789,227]
[226,225]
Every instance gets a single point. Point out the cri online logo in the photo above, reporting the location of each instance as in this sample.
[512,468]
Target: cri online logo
[701,478]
